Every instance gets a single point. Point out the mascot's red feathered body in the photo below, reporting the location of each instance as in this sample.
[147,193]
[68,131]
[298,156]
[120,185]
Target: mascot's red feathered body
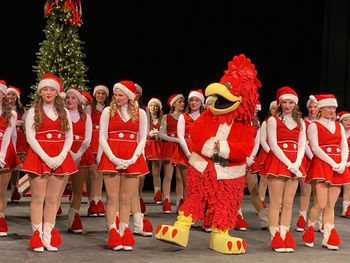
[223,137]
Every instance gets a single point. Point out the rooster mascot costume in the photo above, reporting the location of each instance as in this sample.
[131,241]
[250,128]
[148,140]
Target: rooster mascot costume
[223,137]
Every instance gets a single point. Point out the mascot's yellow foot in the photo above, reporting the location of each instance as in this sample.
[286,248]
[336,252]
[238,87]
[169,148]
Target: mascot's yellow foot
[177,234]
[222,242]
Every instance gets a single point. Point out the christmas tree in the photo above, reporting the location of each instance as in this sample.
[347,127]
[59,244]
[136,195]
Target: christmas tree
[61,53]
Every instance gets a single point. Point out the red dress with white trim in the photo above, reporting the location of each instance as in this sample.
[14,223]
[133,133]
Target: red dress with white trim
[122,139]
[51,139]
[21,144]
[87,158]
[331,145]
[153,148]
[169,146]
[306,159]
[95,118]
[10,157]
[180,155]
[287,141]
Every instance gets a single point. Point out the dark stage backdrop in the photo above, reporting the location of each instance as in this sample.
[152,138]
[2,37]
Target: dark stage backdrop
[177,46]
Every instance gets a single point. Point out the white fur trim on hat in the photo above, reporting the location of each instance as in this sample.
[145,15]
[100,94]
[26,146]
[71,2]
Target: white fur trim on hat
[124,89]
[273,104]
[345,115]
[156,101]
[289,97]
[178,96]
[9,89]
[76,93]
[328,103]
[210,99]
[197,95]
[47,82]
[102,88]
[313,99]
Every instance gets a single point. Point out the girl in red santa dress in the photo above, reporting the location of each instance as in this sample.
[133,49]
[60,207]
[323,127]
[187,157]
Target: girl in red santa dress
[170,145]
[122,138]
[153,149]
[252,181]
[181,156]
[306,189]
[99,102]
[327,171]
[344,119]
[48,162]
[18,137]
[82,155]
[283,166]
[8,158]
[264,149]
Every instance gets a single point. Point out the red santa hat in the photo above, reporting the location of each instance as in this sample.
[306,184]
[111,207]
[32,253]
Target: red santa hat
[128,87]
[52,81]
[273,104]
[76,92]
[196,93]
[313,99]
[326,100]
[15,90]
[101,88]
[3,87]
[156,101]
[343,114]
[174,98]
[86,98]
[286,93]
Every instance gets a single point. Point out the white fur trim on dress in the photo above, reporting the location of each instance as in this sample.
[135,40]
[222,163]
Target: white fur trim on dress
[230,172]
[198,162]
[208,147]
[224,149]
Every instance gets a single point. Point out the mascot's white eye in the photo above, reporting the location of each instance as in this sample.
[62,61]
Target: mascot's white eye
[228,85]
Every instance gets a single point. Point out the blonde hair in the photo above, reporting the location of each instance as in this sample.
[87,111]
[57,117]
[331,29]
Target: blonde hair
[132,108]
[319,113]
[61,112]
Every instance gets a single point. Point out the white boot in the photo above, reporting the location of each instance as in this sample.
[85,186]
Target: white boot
[36,241]
[50,229]
[138,225]
[327,235]
[264,218]
[345,207]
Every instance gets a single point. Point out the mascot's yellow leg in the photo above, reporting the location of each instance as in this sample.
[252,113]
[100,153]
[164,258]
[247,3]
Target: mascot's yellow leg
[177,234]
[222,242]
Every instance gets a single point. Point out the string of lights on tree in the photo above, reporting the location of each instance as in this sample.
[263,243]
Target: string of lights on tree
[61,53]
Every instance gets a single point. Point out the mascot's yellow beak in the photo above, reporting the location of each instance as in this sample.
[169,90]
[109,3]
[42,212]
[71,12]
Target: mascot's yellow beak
[226,101]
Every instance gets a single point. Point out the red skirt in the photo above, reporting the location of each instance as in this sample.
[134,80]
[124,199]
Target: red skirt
[306,163]
[273,166]
[95,141]
[21,144]
[261,156]
[168,149]
[179,158]
[255,167]
[34,164]
[153,150]
[87,159]
[322,171]
[123,150]
[12,162]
